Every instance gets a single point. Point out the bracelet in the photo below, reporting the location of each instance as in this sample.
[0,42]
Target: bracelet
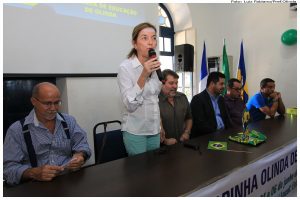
[187,131]
[274,101]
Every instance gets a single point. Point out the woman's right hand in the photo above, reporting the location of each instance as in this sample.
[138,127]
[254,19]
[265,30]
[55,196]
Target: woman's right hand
[150,66]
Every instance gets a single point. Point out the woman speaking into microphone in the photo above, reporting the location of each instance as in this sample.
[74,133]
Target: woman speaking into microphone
[139,86]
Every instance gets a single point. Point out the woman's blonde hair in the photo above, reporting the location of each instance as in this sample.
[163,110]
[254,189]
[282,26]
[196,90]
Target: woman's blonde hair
[135,34]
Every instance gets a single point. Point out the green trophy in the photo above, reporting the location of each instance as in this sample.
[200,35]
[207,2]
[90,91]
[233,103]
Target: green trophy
[245,121]
[251,137]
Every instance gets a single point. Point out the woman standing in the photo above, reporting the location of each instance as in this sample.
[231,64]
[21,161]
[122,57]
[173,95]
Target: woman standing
[139,87]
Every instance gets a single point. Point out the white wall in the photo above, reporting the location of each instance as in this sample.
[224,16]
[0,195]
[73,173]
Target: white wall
[260,26]
[183,20]
[93,100]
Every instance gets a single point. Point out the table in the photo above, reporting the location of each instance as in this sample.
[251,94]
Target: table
[176,172]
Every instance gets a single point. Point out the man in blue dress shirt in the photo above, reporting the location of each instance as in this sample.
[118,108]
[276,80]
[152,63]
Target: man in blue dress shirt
[266,102]
[56,143]
[208,107]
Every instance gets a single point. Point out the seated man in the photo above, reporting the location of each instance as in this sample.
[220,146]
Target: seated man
[234,104]
[208,107]
[266,102]
[175,111]
[45,143]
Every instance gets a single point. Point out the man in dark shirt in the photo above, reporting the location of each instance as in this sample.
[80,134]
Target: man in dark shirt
[175,112]
[234,103]
[208,107]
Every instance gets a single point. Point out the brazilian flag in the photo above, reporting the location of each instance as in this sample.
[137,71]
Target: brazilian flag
[216,145]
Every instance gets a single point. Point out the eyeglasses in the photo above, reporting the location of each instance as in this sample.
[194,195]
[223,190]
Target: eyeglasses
[237,89]
[48,104]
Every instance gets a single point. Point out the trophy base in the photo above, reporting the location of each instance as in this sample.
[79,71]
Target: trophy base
[252,137]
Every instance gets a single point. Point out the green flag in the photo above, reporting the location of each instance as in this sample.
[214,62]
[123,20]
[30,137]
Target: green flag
[216,145]
[225,67]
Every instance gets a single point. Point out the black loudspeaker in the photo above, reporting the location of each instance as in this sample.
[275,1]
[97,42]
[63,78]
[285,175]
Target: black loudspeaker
[184,57]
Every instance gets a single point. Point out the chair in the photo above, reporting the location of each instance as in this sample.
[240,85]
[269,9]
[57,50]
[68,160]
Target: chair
[108,145]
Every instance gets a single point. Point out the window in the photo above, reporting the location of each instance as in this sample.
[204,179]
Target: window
[166,38]
[166,50]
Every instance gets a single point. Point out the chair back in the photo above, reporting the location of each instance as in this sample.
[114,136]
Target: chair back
[108,145]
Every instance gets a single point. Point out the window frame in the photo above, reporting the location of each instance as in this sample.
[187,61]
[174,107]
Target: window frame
[166,32]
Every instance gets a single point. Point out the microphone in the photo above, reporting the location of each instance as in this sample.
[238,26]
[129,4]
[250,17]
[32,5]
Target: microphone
[152,54]
[192,146]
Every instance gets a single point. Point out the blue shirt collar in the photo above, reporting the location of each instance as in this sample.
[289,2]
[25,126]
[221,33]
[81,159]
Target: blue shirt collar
[32,118]
[212,97]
